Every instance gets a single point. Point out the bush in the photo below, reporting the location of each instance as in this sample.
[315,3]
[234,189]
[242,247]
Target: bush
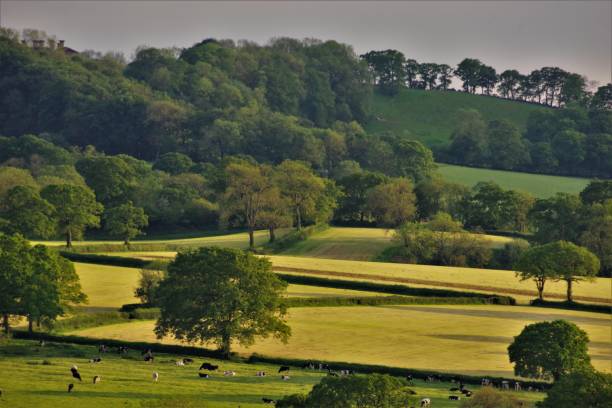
[587,388]
[488,397]
[148,285]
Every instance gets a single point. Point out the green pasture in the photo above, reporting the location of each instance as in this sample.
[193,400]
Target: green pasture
[538,185]
[431,116]
[465,339]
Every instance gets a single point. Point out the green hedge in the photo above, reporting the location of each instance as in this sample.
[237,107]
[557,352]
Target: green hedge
[83,321]
[104,259]
[391,289]
[607,309]
[388,300]
[293,237]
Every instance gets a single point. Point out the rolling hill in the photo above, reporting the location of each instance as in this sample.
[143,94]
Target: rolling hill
[431,116]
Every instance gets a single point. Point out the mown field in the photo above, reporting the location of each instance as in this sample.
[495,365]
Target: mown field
[127,382]
[538,185]
[462,339]
[359,244]
[431,116]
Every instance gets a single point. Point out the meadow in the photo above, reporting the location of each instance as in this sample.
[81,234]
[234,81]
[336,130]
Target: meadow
[538,185]
[432,116]
[468,339]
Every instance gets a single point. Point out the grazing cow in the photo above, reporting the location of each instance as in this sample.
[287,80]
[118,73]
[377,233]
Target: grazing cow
[283,369]
[102,348]
[425,402]
[485,381]
[96,379]
[268,400]
[41,343]
[505,385]
[429,378]
[187,360]
[468,393]
[454,397]
[155,376]
[517,386]
[204,375]
[122,349]
[179,363]
[260,374]
[75,372]
[465,391]
[70,387]
[285,378]
[229,373]
[95,360]
[208,366]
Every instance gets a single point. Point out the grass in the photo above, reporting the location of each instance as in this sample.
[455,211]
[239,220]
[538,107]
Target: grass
[431,116]
[359,244]
[127,381]
[538,185]
[473,279]
[462,339]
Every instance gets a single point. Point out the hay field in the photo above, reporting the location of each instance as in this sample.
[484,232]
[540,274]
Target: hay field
[461,339]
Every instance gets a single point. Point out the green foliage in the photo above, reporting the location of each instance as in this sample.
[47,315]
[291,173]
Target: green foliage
[27,213]
[371,391]
[390,300]
[148,285]
[392,203]
[104,259]
[586,388]
[11,177]
[86,320]
[76,209]
[174,163]
[125,221]
[549,350]
[110,177]
[236,295]
[489,397]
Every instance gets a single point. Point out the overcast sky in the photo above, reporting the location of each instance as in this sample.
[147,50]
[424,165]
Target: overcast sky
[574,35]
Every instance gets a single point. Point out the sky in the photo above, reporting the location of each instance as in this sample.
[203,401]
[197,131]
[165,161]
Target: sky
[523,35]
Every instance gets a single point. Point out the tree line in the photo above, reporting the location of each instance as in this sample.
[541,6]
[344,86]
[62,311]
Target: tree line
[550,86]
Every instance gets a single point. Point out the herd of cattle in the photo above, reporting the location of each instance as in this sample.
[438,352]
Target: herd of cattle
[206,369]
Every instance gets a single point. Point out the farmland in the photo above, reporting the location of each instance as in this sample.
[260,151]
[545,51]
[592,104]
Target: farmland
[538,185]
[466,339]
[430,117]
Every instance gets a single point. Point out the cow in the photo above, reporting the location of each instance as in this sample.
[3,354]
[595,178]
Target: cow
[485,381]
[95,360]
[208,366]
[204,375]
[155,376]
[70,387]
[465,391]
[179,363]
[187,360]
[75,372]
[283,369]
[96,379]
[505,385]
[517,386]
[454,397]
[229,373]
[285,378]
[268,400]
[425,402]
[260,374]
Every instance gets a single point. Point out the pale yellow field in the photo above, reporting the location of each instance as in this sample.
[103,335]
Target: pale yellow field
[360,244]
[465,339]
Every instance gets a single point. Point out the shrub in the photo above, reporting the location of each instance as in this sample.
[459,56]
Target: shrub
[488,397]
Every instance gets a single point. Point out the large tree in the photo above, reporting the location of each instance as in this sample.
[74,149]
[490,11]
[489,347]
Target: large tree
[573,263]
[583,388]
[27,213]
[125,221]
[387,68]
[221,295]
[15,272]
[392,203]
[110,177]
[549,350]
[556,218]
[469,139]
[538,264]
[76,209]
[300,186]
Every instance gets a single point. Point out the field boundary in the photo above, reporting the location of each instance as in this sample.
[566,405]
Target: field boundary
[257,358]
[414,281]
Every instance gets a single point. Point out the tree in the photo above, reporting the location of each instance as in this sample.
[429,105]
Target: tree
[27,213]
[148,284]
[412,159]
[538,264]
[221,295]
[597,234]
[507,148]
[469,139]
[173,163]
[574,263]
[597,191]
[76,209]
[363,391]
[392,203]
[353,205]
[16,261]
[510,81]
[556,218]
[489,397]
[300,186]
[125,221]
[246,195]
[584,388]
[468,71]
[573,89]
[388,69]
[549,349]
[110,177]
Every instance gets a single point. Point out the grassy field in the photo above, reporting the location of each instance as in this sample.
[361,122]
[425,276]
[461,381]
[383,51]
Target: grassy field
[359,244]
[233,240]
[487,280]
[462,339]
[431,116]
[126,382]
[538,185]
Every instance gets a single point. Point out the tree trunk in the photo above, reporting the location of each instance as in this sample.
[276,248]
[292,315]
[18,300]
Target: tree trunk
[569,290]
[5,323]
[299,218]
[126,241]
[30,324]
[68,238]
[272,234]
[226,344]
[251,239]
[540,286]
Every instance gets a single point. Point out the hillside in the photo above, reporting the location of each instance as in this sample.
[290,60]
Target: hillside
[430,116]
